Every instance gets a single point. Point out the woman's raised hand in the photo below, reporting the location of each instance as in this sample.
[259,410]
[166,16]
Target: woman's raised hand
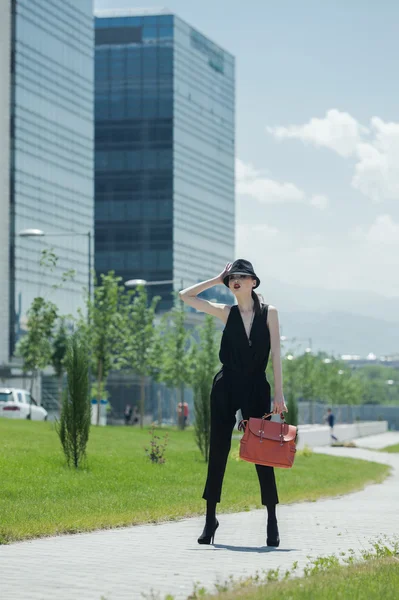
[225,272]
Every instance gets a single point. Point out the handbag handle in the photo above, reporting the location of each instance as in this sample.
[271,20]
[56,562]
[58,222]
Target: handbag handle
[242,424]
[266,415]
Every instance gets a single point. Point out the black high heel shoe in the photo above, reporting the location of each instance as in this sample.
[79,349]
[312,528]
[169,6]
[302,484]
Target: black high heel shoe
[208,535]
[273,538]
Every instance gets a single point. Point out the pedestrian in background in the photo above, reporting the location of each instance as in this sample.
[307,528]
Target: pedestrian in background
[185,413]
[135,416]
[329,417]
[127,414]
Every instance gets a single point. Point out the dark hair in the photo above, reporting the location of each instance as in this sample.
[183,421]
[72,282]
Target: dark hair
[256,300]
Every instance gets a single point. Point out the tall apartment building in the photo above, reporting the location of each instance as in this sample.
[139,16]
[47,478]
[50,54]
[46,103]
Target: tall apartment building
[47,158]
[165,144]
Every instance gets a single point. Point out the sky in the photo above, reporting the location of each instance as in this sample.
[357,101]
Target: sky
[317,135]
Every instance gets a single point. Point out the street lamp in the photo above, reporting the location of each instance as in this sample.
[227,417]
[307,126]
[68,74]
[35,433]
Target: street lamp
[131,283]
[390,383]
[135,282]
[40,233]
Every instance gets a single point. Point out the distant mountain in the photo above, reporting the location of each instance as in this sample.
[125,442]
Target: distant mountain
[288,297]
[343,322]
[342,332]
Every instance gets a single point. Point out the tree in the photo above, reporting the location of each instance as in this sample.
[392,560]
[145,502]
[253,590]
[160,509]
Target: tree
[176,343]
[203,361]
[351,391]
[379,383]
[307,379]
[290,375]
[136,351]
[106,330]
[35,347]
[160,359]
[155,360]
[74,426]
[59,348]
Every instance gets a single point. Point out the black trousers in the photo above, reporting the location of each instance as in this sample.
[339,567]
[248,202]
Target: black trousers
[228,395]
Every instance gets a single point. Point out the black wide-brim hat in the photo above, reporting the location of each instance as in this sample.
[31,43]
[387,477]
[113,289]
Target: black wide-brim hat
[241,267]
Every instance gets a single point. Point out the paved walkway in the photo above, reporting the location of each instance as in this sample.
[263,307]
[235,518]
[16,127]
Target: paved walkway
[391,438]
[124,564]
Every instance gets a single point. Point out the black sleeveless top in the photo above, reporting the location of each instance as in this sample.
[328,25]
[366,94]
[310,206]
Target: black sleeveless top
[236,355]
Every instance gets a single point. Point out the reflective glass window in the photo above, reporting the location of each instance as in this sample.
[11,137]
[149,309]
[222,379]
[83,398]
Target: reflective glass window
[150,32]
[165,20]
[166,32]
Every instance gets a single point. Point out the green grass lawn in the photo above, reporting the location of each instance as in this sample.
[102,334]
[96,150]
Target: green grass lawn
[391,448]
[372,580]
[120,486]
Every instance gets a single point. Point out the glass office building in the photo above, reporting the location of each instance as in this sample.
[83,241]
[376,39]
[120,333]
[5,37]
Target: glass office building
[164,139]
[51,151]
[5,76]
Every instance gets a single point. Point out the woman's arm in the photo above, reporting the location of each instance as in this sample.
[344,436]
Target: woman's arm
[275,349]
[189,296]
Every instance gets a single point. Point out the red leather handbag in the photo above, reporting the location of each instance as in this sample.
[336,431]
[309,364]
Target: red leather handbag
[267,442]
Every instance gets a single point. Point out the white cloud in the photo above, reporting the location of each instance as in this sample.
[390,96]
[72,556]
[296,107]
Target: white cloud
[377,170]
[245,171]
[384,231]
[269,191]
[361,262]
[263,231]
[319,201]
[250,182]
[338,131]
[363,258]
[261,241]
[375,149]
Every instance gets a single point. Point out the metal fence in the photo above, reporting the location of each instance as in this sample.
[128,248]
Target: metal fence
[161,404]
[349,413]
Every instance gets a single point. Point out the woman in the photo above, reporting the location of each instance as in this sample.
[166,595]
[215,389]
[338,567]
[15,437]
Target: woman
[251,332]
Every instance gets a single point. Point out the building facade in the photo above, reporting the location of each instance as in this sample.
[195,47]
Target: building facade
[164,139]
[5,62]
[51,154]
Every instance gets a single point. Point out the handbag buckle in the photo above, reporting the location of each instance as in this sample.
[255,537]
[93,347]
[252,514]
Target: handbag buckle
[262,433]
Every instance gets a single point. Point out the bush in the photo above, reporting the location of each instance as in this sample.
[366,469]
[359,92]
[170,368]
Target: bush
[202,412]
[157,450]
[204,362]
[73,428]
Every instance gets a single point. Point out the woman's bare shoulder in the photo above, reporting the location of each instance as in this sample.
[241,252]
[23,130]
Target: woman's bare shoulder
[271,313]
[226,312]
[272,308]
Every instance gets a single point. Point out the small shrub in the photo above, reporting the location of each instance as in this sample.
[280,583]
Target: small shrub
[157,449]
[74,426]
[306,451]
[321,564]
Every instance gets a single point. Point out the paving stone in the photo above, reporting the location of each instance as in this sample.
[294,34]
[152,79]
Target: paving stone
[124,564]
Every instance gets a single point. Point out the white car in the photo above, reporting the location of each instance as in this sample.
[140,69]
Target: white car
[19,404]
